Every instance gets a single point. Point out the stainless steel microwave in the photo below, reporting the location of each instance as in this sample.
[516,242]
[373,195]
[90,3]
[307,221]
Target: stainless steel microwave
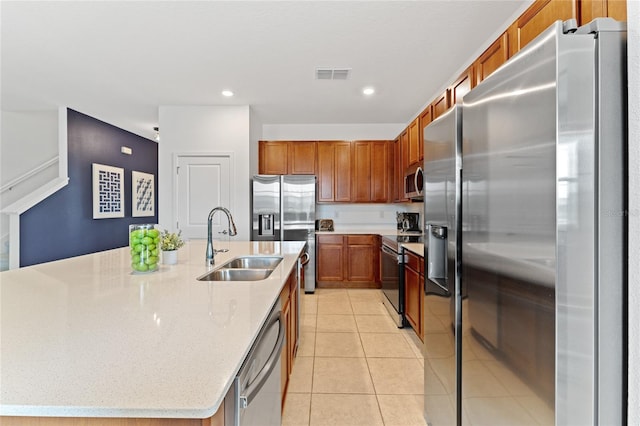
[413,182]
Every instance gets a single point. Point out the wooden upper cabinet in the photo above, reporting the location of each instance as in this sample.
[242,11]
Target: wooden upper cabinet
[591,9]
[402,162]
[496,55]
[426,117]
[414,141]
[326,171]
[302,158]
[342,184]
[380,172]
[371,176]
[361,188]
[440,105]
[287,157]
[398,171]
[334,171]
[272,158]
[461,86]
[537,18]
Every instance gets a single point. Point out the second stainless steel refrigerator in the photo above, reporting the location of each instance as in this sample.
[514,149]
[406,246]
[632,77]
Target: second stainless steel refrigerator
[284,209]
[524,314]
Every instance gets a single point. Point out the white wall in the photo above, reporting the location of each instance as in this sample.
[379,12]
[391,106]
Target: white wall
[633,38]
[29,139]
[255,135]
[327,132]
[370,217]
[205,129]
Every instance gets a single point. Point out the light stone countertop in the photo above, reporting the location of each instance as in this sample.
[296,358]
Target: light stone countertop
[372,231]
[417,248]
[86,337]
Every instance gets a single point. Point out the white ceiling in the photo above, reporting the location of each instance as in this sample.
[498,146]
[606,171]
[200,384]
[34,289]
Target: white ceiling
[119,60]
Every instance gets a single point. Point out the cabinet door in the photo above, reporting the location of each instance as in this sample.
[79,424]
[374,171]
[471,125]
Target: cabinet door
[404,160]
[397,179]
[380,172]
[591,9]
[294,308]
[284,355]
[326,171]
[492,58]
[273,158]
[342,176]
[302,158]
[461,86]
[536,19]
[412,302]
[330,253]
[425,118]
[440,105]
[361,188]
[361,258]
[414,141]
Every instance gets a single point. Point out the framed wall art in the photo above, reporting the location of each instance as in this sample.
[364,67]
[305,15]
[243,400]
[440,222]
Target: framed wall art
[142,194]
[108,191]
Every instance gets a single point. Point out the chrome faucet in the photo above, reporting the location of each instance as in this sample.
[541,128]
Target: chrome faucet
[232,231]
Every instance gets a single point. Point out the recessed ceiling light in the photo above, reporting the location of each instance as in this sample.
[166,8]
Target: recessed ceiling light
[227,93]
[368,91]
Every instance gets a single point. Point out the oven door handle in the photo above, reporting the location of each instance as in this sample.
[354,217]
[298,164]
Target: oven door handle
[387,250]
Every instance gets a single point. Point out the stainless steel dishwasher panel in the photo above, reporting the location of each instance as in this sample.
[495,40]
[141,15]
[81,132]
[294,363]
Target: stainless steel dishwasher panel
[257,399]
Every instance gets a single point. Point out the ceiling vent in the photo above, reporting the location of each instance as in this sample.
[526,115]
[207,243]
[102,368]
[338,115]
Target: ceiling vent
[333,73]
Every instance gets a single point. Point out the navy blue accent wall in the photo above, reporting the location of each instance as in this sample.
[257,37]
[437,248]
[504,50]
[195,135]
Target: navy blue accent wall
[62,226]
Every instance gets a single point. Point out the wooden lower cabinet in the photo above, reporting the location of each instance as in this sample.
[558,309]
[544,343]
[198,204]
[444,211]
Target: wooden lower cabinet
[330,254]
[289,302]
[414,292]
[348,261]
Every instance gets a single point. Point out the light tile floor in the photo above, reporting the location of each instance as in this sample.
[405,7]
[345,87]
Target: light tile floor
[354,366]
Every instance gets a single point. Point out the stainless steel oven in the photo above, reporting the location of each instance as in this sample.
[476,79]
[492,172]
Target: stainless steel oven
[392,278]
[392,273]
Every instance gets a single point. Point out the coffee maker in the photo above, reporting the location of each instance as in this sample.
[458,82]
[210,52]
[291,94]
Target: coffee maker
[408,222]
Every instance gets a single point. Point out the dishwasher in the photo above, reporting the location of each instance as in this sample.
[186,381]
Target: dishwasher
[255,396]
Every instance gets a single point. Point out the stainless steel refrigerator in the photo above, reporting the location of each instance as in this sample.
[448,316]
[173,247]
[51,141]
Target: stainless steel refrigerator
[442,296]
[537,329]
[284,209]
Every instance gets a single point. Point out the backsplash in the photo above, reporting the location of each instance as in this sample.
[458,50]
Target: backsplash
[365,216]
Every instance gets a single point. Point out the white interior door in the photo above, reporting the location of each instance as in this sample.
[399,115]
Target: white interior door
[203,182]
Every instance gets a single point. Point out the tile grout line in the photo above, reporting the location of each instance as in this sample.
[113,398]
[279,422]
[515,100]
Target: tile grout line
[375,391]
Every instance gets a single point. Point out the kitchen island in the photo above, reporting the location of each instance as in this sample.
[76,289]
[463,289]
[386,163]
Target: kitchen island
[86,337]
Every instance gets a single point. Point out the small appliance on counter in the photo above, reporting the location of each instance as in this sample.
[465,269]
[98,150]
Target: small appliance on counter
[324,224]
[408,222]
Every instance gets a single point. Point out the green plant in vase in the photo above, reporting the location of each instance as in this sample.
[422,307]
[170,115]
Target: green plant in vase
[170,242]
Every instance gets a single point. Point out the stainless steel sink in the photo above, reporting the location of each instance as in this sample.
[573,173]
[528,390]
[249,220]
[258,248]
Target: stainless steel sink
[236,274]
[253,262]
[245,268]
